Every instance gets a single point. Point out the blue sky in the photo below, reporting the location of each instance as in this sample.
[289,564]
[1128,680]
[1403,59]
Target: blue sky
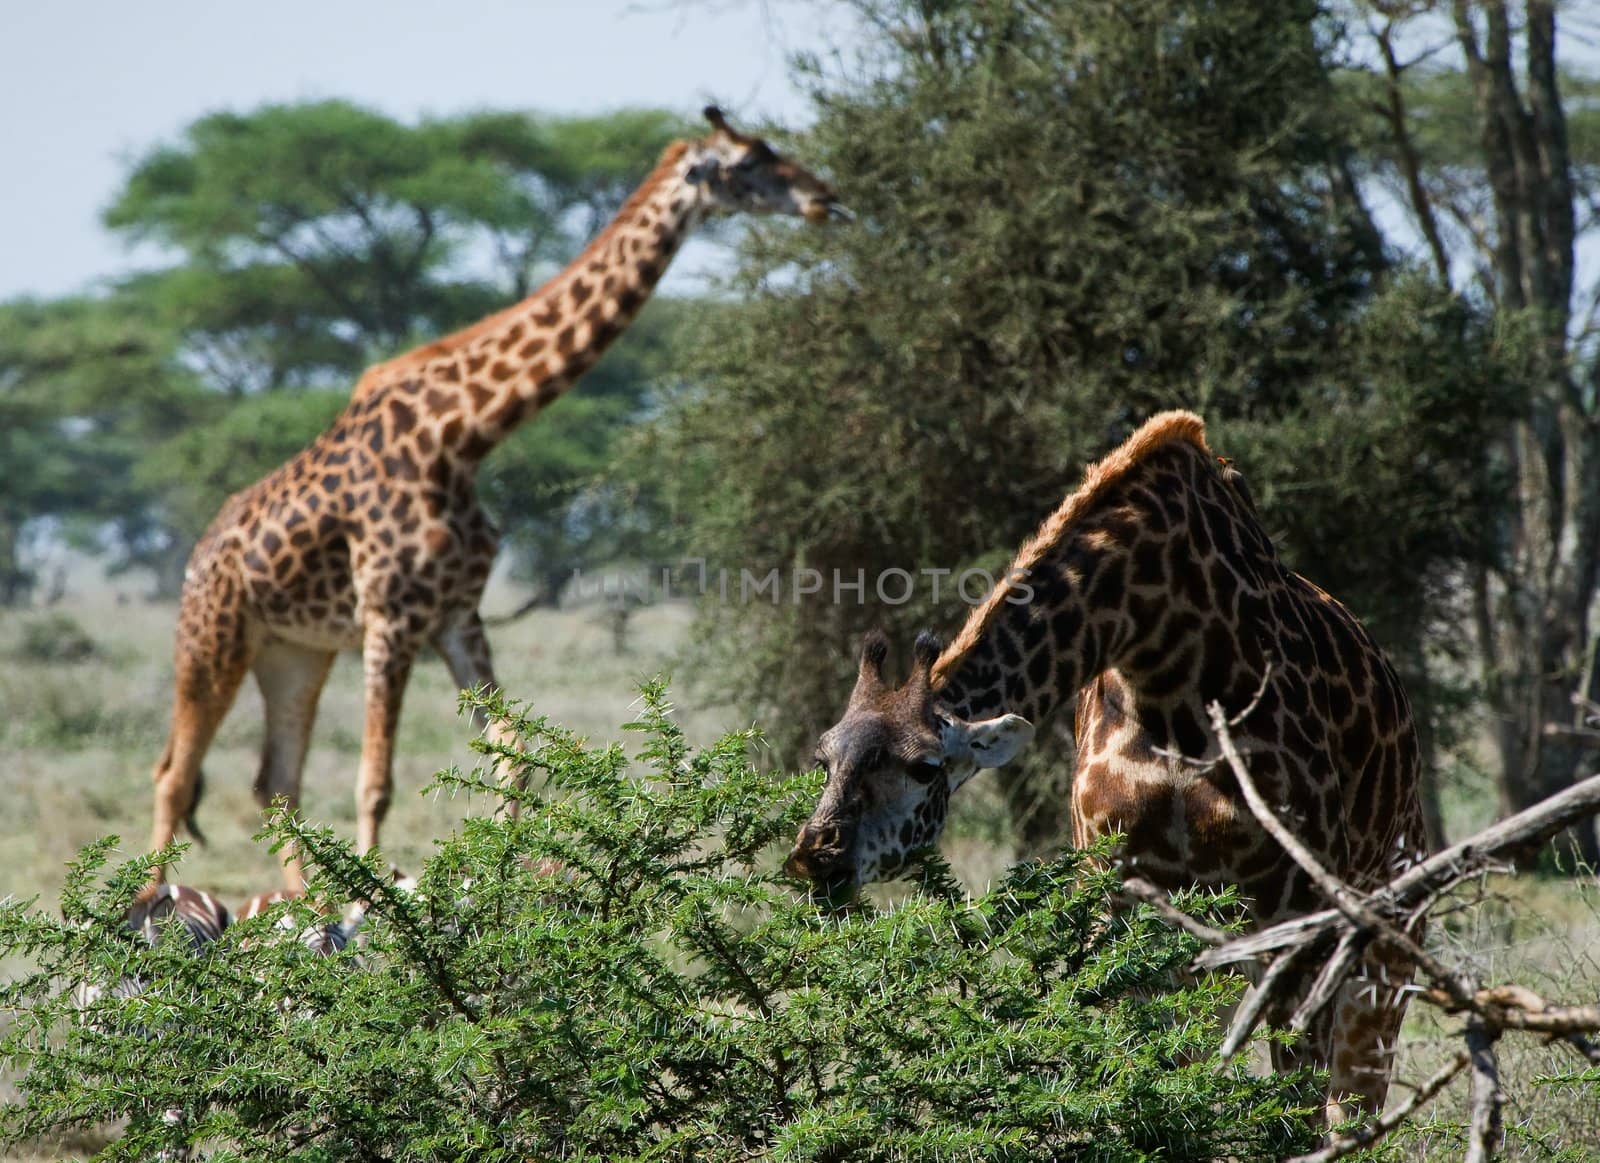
[89,85]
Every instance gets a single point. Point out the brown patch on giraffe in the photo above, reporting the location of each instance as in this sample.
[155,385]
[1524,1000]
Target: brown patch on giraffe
[402,417]
[508,414]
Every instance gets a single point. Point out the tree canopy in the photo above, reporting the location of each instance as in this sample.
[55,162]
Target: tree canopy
[306,241]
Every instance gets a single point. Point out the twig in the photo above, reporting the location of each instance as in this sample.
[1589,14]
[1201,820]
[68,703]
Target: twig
[1143,891]
[1255,1003]
[1341,1145]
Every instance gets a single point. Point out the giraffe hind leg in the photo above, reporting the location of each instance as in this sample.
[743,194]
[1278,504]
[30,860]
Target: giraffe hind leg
[290,679]
[211,658]
[1366,1024]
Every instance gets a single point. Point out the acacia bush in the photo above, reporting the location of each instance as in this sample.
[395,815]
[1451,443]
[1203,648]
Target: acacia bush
[617,975]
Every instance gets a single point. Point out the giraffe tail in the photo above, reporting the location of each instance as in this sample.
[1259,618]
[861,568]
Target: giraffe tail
[194,805]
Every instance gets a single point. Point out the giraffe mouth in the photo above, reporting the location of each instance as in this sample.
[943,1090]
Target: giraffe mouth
[821,210]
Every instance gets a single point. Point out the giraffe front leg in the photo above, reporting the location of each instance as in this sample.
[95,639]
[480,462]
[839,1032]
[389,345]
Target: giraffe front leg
[1366,1032]
[387,655]
[465,648]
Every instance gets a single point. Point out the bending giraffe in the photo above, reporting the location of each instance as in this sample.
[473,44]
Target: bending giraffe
[373,537]
[1150,593]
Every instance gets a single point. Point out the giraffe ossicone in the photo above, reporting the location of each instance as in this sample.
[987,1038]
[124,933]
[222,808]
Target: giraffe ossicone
[1156,592]
[373,537]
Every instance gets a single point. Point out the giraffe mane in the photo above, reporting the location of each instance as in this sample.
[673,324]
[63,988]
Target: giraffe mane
[378,373]
[1161,429]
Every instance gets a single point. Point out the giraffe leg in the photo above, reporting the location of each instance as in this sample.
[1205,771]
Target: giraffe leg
[465,648]
[290,678]
[1365,1033]
[387,655]
[213,652]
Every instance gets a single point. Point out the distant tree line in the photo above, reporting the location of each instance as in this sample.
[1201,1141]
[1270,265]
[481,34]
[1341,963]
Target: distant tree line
[303,243]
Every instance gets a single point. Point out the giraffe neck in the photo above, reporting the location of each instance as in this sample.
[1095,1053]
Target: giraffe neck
[480,383]
[1152,577]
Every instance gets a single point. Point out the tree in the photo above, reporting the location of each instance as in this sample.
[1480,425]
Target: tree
[1493,150]
[85,386]
[1071,217]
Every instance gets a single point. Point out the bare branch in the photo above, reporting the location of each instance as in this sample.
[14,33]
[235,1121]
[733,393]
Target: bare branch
[1341,1145]
[1410,161]
[1143,891]
[1486,1130]
[1255,1003]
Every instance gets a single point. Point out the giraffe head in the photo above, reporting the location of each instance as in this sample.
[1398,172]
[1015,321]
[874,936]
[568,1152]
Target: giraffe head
[734,172]
[892,762]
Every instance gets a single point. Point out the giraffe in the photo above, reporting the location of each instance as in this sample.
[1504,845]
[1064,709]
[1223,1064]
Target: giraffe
[373,537]
[1149,593]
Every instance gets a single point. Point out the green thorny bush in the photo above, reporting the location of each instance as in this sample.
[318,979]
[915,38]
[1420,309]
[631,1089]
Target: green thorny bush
[617,974]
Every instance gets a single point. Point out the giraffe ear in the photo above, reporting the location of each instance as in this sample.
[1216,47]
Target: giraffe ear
[992,742]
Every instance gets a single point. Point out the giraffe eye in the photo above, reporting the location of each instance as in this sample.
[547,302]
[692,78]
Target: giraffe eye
[924,772]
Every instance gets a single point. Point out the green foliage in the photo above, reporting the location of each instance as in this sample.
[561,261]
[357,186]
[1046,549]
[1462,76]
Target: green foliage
[200,466]
[615,976]
[54,638]
[1070,217]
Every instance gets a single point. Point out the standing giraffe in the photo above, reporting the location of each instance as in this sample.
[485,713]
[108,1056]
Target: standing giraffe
[373,536]
[1150,593]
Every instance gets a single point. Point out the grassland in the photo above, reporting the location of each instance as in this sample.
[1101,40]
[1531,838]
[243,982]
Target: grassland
[78,739]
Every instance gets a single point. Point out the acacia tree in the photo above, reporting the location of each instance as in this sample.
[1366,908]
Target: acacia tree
[1474,134]
[86,385]
[1073,216]
[312,239]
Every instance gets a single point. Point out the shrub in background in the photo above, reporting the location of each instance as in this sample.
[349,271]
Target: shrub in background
[616,976]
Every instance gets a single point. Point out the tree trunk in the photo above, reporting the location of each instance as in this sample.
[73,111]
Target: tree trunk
[1533,616]
[16,583]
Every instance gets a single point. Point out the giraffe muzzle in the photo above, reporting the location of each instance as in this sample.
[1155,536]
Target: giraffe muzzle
[820,854]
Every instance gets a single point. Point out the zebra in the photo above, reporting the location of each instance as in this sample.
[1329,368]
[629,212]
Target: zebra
[324,938]
[172,910]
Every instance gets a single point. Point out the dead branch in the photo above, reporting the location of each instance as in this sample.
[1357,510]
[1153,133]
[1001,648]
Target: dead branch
[1341,1145]
[1485,1130]
[1426,878]
[1338,936]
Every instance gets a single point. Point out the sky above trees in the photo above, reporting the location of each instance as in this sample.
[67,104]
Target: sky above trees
[94,85]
